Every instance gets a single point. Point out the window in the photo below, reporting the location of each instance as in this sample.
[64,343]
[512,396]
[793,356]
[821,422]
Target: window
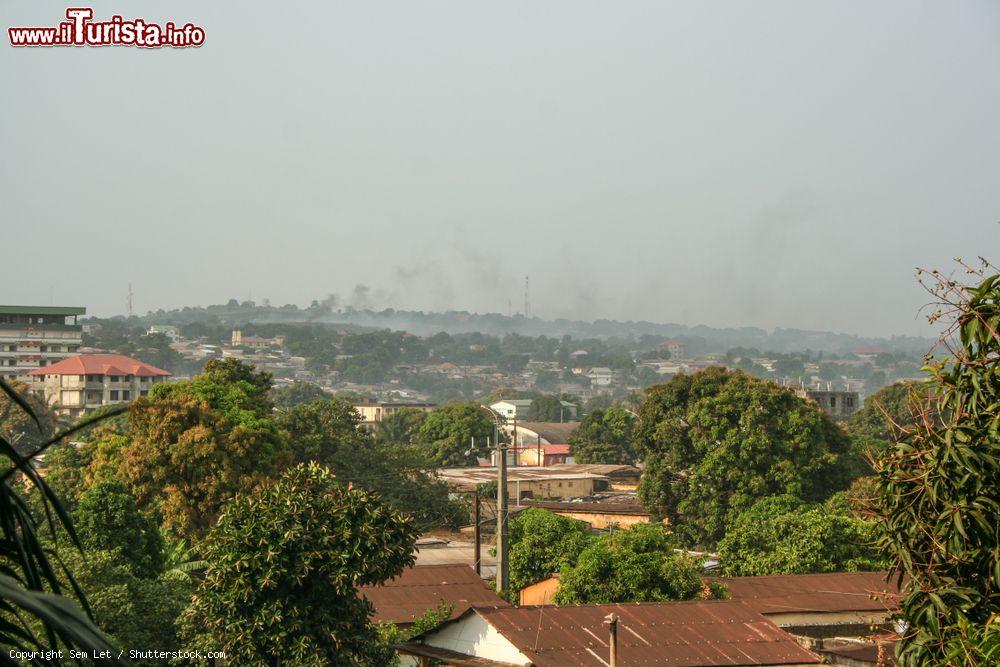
[833,401]
[849,401]
[114,394]
[125,395]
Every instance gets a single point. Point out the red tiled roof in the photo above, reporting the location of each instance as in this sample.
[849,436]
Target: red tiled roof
[423,587]
[101,364]
[681,634]
[827,592]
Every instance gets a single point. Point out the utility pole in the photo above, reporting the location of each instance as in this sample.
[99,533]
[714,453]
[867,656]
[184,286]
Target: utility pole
[502,576]
[612,622]
[477,560]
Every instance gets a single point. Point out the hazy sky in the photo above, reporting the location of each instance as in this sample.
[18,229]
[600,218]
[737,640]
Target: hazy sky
[726,163]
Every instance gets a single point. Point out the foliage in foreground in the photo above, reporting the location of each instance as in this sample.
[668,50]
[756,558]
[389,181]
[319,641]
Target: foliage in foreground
[31,592]
[937,490]
[285,564]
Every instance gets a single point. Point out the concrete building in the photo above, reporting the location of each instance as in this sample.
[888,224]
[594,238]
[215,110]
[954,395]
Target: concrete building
[558,481]
[520,409]
[81,384]
[838,404]
[33,337]
[703,633]
[600,516]
[677,348]
[373,412]
[237,339]
[600,376]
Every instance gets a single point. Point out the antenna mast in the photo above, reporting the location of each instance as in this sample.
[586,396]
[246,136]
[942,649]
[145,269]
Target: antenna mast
[128,301]
[527,303]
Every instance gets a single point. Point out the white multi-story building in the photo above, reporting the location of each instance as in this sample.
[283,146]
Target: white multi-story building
[33,337]
[83,383]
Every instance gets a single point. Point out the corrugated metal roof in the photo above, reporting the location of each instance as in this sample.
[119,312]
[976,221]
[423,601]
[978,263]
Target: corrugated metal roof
[101,364]
[826,592]
[588,508]
[684,634]
[43,310]
[424,587]
[554,432]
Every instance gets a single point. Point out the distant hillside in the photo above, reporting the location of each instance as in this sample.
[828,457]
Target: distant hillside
[700,338]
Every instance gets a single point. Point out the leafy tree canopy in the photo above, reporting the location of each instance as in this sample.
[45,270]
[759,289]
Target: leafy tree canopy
[107,520]
[138,612]
[717,441]
[604,436]
[785,535]
[191,446]
[936,492]
[285,564]
[637,564]
[547,408]
[889,412]
[401,427]
[448,432]
[542,544]
[297,393]
[326,431]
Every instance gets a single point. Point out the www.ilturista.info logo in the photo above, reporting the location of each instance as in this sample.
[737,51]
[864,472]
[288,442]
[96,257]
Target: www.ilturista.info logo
[79,30]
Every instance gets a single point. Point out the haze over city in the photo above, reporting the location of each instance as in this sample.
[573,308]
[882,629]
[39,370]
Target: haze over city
[778,164]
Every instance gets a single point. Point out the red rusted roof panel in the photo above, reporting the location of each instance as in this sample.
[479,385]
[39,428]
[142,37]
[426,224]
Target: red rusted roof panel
[424,587]
[685,634]
[825,593]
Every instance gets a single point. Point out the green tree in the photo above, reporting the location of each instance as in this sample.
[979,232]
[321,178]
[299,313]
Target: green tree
[889,412]
[717,441]
[285,564]
[191,446]
[326,431]
[317,431]
[108,520]
[401,427]
[448,434]
[785,535]
[637,564]
[604,436]
[937,489]
[546,408]
[542,544]
[137,612]
[297,393]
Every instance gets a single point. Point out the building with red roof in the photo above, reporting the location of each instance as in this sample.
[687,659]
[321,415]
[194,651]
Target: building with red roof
[82,384]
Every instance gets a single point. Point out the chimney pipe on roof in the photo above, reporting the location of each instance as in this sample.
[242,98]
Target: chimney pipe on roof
[612,621]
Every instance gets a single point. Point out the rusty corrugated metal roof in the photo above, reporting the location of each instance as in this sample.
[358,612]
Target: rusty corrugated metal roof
[424,587]
[826,592]
[683,634]
[589,508]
